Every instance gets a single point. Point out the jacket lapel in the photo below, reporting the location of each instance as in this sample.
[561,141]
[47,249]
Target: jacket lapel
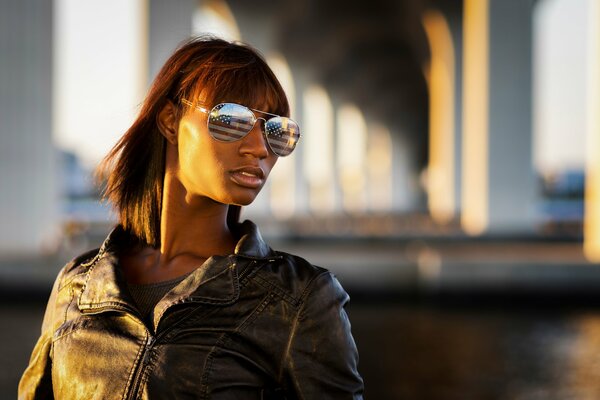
[215,282]
[251,243]
[104,287]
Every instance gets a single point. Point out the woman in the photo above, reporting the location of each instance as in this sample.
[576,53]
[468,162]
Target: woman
[181,300]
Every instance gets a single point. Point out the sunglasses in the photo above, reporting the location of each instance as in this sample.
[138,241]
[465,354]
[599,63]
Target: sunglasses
[229,122]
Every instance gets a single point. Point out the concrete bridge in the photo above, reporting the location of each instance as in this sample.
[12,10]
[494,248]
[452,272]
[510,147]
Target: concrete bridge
[412,106]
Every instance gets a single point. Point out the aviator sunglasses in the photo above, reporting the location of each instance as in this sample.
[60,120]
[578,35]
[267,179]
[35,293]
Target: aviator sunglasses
[229,122]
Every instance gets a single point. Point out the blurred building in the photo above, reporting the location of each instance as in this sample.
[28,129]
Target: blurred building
[80,196]
[29,194]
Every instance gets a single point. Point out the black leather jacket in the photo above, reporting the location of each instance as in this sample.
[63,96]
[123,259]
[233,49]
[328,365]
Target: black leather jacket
[257,324]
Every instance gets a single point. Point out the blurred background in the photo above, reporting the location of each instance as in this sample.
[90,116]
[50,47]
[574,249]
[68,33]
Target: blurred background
[448,172]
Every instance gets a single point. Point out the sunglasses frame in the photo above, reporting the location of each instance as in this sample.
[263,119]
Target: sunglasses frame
[252,110]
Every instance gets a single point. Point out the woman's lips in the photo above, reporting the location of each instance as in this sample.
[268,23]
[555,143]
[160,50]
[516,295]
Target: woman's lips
[250,177]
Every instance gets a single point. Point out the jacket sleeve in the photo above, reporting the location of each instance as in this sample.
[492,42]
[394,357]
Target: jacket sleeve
[321,359]
[36,382]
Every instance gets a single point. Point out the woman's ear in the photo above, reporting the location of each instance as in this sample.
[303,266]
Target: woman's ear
[167,122]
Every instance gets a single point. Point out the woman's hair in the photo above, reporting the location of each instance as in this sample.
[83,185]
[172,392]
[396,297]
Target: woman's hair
[134,168]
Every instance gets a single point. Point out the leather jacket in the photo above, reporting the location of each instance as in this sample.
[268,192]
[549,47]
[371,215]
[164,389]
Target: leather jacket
[256,324]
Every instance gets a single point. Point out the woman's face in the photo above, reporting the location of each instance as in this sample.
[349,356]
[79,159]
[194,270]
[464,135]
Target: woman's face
[226,172]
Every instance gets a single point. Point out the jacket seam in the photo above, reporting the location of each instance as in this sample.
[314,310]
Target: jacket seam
[68,305]
[73,265]
[53,328]
[288,345]
[72,328]
[132,371]
[268,298]
[62,335]
[68,281]
[51,352]
[277,289]
[225,338]
[296,321]
[87,279]
[190,318]
[308,287]
[93,306]
[208,364]
[248,274]
[146,372]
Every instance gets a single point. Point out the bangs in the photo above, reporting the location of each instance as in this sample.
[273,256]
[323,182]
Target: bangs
[254,90]
[245,80]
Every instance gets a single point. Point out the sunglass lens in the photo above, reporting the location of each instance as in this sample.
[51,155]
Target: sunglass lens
[282,135]
[229,122]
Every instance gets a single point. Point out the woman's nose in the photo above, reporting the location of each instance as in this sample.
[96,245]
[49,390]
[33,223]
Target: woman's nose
[255,142]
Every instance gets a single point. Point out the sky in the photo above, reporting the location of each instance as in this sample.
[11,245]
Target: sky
[560,84]
[99,78]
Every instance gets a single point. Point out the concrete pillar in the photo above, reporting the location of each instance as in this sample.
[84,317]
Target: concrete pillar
[302,80]
[454,18]
[451,11]
[441,169]
[379,158]
[319,152]
[28,177]
[405,175]
[499,185]
[350,152]
[169,24]
[513,185]
[592,168]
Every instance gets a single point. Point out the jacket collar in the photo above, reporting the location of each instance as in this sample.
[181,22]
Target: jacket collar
[251,243]
[215,282]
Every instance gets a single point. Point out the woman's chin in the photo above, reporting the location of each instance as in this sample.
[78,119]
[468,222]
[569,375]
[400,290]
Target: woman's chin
[242,199]
[243,202]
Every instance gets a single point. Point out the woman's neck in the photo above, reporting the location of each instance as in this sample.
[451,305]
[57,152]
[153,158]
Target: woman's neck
[199,229]
[192,229]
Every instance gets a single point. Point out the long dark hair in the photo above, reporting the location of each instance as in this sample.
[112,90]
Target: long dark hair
[134,168]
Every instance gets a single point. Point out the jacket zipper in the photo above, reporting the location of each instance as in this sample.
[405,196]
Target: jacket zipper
[151,340]
[141,365]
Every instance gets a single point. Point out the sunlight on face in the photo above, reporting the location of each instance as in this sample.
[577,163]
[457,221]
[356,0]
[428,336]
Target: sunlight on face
[225,172]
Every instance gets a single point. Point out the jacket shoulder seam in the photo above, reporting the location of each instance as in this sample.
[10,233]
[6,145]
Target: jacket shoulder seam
[81,262]
[311,282]
[294,301]
[293,298]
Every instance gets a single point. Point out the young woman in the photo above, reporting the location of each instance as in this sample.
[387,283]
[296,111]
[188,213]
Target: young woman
[181,300]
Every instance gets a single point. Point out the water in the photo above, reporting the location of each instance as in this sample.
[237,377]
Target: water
[428,351]
[444,352]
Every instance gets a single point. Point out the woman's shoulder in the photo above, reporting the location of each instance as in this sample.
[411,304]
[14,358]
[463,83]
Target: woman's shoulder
[299,266]
[295,277]
[78,265]
[81,263]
